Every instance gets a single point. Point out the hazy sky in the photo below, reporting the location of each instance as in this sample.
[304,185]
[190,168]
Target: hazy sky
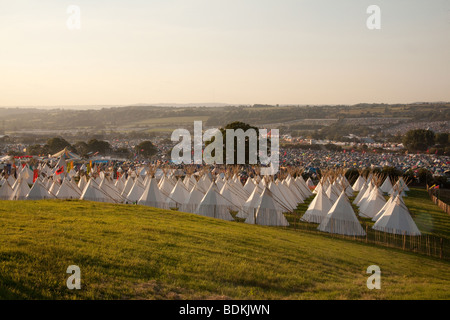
[233,51]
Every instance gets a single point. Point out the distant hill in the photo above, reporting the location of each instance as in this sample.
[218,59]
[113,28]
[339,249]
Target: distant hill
[163,117]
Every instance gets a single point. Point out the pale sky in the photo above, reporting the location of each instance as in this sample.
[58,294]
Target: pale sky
[231,51]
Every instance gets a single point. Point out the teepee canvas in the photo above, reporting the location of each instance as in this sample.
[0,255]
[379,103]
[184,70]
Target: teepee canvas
[341,219]
[318,208]
[267,213]
[214,205]
[397,220]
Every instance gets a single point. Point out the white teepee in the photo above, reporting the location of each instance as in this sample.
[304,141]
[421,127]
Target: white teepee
[152,196]
[318,208]
[341,219]
[214,205]
[267,213]
[397,220]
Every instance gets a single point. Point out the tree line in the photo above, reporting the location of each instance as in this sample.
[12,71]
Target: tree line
[422,140]
[93,146]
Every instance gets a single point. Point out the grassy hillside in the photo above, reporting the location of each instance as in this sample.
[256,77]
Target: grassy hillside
[433,223]
[136,252]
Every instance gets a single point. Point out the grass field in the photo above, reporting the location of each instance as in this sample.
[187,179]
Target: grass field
[136,252]
[433,223]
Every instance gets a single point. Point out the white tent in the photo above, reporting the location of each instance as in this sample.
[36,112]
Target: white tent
[386,205]
[128,185]
[38,192]
[387,185]
[166,185]
[54,187]
[294,194]
[230,194]
[21,190]
[249,186]
[318,187]
[238,189]
[110,189]
[287,194]
[399,186]
[359,183]
[402,184]
[92,192]
[152,196]
[120,184]
[193,200]
[189,182]
[303,187]
[365,196]
[341,219]
[178,195]
[348,188]
[310,183]
[280,200]
[373,205]
[82,183]
[27,174]
[397,220]
[67,191]
[6,191]
[11,180]
[253,201]
[318,208]
[136,191]
[361,193]
[296,190]
[332,193]
[214,205]
[267,213]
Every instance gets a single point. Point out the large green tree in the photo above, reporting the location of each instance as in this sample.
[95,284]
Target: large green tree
[99,146]
[56,144]
[418,140]
[82,148]
[245,127]
[146,149]
[443,138]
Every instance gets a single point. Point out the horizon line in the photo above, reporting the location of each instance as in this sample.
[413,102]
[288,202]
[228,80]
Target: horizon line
[206,104]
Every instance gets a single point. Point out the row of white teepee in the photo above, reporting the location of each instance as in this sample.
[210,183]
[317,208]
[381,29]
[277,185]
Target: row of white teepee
[335,214]
[390,216]
[331,208]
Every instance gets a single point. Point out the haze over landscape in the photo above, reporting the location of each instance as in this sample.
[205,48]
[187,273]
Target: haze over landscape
[236,52]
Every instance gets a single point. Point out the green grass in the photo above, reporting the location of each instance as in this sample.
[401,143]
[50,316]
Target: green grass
[430,219]
[136,252]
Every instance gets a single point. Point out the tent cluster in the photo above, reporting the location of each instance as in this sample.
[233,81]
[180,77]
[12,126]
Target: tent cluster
[332,210]
[219,195]
[391,216]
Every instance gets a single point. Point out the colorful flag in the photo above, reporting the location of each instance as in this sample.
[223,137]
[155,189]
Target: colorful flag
[35,174]
[60,170]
